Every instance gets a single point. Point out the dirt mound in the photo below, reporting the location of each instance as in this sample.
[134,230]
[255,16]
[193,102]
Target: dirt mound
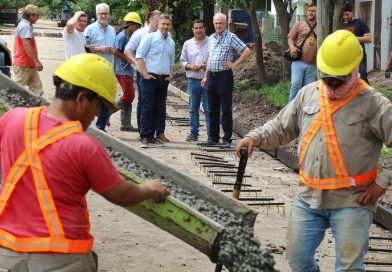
[378,79]
[273,63]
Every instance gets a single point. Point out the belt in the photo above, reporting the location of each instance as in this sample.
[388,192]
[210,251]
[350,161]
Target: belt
[192,78]
[159,76]
[214,74]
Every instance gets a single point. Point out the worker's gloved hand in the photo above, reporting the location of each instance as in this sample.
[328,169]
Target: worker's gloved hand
[370,193]
[245,142]
[157,189]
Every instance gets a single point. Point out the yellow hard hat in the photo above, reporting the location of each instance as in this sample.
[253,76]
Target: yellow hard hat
[133,17]
[339,54]
[92,72]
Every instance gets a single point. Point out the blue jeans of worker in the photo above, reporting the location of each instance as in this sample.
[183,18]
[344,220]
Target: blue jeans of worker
[301,74]
[154,95]
[102,117]
[161,125]
[306,230]
[220,99]
[197,94]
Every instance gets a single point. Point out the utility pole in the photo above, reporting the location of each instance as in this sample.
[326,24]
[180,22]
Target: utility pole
[323,8]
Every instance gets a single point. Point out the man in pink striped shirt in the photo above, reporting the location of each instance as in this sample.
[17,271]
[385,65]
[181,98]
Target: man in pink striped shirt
[193,59]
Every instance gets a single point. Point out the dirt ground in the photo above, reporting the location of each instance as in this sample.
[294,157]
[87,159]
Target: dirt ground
[125,242]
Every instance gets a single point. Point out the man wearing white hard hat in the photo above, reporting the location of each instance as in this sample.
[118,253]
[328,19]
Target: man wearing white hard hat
[26,63]
[341,124]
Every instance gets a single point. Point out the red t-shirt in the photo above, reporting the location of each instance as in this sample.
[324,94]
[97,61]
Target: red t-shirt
[71,166]
[24,30]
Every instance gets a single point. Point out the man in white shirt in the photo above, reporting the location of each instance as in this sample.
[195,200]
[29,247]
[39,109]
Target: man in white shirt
[74,38]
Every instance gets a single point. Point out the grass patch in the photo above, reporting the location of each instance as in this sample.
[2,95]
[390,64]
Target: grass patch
[243,84]
[277,94]
[386,91]
[384,154]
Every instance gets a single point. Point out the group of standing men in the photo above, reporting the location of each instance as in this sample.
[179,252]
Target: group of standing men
[304,70]
[208,63]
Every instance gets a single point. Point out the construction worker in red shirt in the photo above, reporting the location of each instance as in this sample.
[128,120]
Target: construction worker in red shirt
[341,124]
[44,222]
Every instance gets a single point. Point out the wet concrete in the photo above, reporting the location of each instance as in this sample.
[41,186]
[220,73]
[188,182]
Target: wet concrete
[239,250]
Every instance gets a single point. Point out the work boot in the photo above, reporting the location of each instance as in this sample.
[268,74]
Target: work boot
[126,113]
[119,104]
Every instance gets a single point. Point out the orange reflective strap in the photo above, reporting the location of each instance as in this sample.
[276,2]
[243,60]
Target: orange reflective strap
[324,120]
[330,138]
[45,244]
[334,183]
[30,158]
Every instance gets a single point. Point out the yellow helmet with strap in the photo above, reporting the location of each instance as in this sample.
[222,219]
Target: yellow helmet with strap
[339,54]
[92,72]
[133,17]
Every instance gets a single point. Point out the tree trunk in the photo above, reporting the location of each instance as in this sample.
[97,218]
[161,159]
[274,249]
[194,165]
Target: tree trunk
[338,14]
[260,71]
[323,22]
[208,14]
[284,18]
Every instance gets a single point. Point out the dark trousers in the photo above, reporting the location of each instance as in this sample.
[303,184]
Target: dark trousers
[154,96]
[363,69]
[160,127]
[220,99]
[102,117]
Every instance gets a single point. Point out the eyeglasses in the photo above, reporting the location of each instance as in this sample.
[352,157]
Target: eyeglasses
[333,83]
[103,14]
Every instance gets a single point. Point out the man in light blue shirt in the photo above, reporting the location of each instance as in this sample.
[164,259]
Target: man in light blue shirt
[155,60]
[130,50]
[101,35]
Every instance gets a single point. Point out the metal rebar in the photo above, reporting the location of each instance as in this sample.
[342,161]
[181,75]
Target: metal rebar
[230,183]
[266,204]
[256,198]
[380,238]
[210,159]
[380,249]
[204,155]
[243,191]
[378,263]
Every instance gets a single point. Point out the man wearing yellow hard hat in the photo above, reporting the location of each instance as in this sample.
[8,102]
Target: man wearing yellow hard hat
[341,124]
[124,71]
[49,164]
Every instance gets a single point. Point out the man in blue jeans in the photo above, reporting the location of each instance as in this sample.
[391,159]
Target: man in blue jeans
[155,59]
[193,59]
[341,125]
[303,70]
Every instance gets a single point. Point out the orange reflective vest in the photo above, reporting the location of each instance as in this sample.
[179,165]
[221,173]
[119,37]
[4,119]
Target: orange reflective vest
[56,242]
[324,121]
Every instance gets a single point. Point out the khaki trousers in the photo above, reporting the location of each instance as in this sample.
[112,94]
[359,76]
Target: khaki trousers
[11,261]
[28,76]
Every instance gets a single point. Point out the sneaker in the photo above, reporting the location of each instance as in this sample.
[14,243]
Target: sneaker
[154,143]
[226,144]
[161,137]
[144,143]
[191,137]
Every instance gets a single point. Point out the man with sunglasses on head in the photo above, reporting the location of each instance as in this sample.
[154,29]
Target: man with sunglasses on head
[102,37]
[26,63]
[341,124]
